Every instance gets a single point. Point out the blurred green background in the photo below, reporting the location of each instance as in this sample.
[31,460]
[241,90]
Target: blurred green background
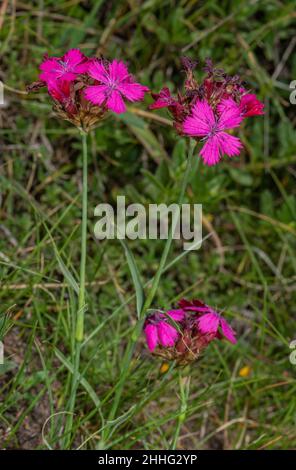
[241,397]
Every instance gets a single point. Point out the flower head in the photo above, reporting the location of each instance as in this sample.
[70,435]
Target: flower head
[84,89]
[203,123]
[67,67]
[113,84]
[61,91]
[250,105]
[159,331]
[204,111]
[197,326]
[163,99]
[210,322]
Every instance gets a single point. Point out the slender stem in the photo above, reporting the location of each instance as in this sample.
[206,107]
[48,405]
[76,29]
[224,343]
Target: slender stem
[81,298]
[138,327]
[79,333]
[154,287]
[184,383]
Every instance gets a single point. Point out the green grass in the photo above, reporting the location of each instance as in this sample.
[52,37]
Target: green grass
[247,267]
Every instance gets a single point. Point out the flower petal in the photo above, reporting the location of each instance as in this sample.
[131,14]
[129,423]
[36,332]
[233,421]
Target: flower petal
[151,336]
[167,334]
[229,144]
[68,76]
[118,71]
[251,106]
[227,103]
[82,68]
[49,65]
[163,99]
[116,103]
[132,91]
[210,152]
[201,121]
[97,94]
[227,331]
[230,117]
[209,323]
[176,315]
[73,57]
[97,70]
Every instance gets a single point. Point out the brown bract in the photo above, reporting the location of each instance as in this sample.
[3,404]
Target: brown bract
[187,349]
[70,105]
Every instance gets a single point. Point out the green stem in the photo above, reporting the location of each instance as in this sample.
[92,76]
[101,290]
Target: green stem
[184,383]
[154,287]
[81,298]
[79,333]
[138,327]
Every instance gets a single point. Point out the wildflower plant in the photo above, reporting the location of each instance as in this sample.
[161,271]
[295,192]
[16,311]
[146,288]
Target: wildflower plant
[83,91]
[207,112]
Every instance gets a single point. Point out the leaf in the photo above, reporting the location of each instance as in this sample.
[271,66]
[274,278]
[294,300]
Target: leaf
[7,366]
[154,180]
[67,274]
[267,203]
[82,380]
[135,276]
[240,176]
[145,136]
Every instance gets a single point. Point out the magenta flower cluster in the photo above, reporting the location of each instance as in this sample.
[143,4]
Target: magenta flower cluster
[84,89]
[183,333]
[112,81]
[209,110]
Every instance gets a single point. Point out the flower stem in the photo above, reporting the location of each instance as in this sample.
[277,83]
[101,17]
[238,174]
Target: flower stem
[81,298]
[79,333]
[139,325]
[156,280]
[184,383]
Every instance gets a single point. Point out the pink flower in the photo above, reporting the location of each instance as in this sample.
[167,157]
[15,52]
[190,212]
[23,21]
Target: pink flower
[210,323]
[85,89]
[194,305]
[228,104]
[197,326]
[159,332]
[163,99]
[208,320]
[114,84]
[203,123]
[251,106]
[206,109]
[61,92]
[66,67]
